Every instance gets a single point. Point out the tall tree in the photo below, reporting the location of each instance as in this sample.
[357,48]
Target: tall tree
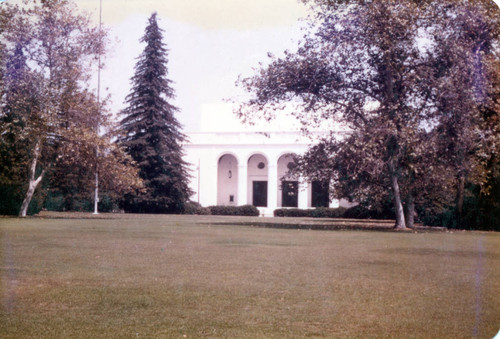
[151,134]
[361,66]
[50,52]
[372,66]
[466,60]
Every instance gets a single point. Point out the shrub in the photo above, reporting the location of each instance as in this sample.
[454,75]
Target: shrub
[356,212]
[320,212]
[361,212]
[11,198]
[324,212]
[245,210]
[248,210]
[192,207]
[291,212]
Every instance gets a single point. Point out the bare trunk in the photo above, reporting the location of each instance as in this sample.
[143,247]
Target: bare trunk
[400,217]
[410,211]
[33,183]
[389,97]
[96,193]
[459,203]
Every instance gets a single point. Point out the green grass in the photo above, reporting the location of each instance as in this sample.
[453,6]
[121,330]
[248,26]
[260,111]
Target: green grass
[134,276]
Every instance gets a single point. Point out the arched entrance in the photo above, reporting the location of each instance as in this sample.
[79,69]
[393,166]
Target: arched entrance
[288,186]
[227,180]
[257,181]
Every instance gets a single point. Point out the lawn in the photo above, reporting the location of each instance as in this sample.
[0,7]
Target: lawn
[132,276]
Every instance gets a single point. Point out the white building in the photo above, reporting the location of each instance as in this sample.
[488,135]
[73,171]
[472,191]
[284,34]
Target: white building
[233,164]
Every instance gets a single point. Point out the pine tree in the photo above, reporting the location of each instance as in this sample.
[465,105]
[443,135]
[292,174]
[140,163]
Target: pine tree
[151,134]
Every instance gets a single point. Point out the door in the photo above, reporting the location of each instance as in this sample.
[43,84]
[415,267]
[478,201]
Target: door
[290,193]
[260,193]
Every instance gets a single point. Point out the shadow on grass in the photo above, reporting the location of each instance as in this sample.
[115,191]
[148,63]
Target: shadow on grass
[436,252]
[246,242]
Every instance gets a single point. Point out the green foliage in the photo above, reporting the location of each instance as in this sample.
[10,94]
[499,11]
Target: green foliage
[356,212]
[59,202]
[244,210]
[10,199]
[151,134]
[481,211]
[49,116]
[415,114]
[192,207]
[362,212]
[292,212]
[323,212]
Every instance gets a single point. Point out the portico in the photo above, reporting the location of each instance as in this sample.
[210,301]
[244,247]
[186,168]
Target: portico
[239,168]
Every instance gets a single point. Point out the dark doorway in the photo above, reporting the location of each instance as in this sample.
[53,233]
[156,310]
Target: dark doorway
[290,193]
[260,193]
[320,197]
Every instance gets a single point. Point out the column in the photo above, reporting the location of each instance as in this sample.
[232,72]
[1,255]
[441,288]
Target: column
[209,178]
[272,186]
[242,184]
[303,193]
[334,203]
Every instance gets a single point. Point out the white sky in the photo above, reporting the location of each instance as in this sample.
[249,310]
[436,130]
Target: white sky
[211,42]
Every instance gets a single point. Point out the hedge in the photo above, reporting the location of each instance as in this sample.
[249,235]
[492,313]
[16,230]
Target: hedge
[192,207]
[356,212]
[245,210]
[320,212]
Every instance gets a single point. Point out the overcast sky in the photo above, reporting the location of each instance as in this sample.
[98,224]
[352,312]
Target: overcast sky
[210,42]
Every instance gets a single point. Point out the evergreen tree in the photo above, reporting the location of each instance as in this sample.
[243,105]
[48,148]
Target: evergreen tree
[151,133]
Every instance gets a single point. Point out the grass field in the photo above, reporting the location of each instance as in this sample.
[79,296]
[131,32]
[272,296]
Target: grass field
[189,277]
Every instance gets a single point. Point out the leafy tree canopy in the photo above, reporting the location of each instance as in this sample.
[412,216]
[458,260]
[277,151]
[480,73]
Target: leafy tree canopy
[397,75]
[48,116]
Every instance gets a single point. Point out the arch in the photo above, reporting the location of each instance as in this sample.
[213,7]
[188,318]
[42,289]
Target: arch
[283,165]
[227,180]
[251,154]
[288,186]
[235,155]
[285,153]
[257,179]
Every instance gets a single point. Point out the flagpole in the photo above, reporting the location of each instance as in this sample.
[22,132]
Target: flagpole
[96,192]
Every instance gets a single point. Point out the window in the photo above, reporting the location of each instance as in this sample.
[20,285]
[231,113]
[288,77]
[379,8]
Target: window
[320,194]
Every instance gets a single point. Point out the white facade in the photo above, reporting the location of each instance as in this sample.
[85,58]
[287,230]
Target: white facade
[238,168]
[232,164]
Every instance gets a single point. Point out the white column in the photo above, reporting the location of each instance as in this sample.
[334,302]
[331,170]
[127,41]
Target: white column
[272,186]
[334,203]
[208,180]
[303,192]
[242,184]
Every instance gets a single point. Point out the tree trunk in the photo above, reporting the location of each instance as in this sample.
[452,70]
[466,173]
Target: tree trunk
[398,206]
[410,211]
[33,183]
[459,202]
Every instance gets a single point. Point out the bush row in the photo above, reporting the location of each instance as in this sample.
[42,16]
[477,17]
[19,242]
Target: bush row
[356,212]
[245,210]
[320,212]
